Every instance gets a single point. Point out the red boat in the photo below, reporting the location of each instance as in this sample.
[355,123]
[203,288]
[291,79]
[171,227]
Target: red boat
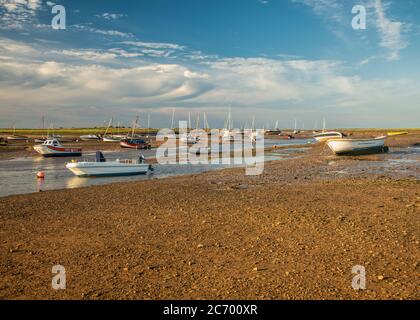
[53,148]
[135,144]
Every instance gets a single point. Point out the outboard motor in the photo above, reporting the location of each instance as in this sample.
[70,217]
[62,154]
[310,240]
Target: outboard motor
[100,157]
[142,159]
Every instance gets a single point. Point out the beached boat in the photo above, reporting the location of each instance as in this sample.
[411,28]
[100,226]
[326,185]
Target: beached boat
[90,137]
[393,134]
[53,148]
[325,136]
[135,144]
[188,138]
[111,139]
[17,138]
[357,146]
[102,167]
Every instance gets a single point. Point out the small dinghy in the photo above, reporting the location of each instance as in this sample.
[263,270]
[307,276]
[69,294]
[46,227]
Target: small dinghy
[102,167]
[135,144]
[357,146]
[17,138]
[53,148]
[325,136]
[90,137]
[111,139]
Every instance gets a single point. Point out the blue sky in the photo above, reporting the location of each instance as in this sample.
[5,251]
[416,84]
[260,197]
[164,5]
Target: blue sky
[275,60]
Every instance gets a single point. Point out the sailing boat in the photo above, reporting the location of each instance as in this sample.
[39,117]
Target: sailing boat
[325,136]
[186,137]
[43,139]
[15,137]
[110,138]
[296,131]
[133,142]
[226,134]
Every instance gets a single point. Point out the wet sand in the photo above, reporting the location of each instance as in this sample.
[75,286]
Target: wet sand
[294,232]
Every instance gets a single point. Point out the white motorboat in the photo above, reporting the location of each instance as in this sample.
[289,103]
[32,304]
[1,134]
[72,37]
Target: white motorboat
[53,148]
[101,167]
[17,138]
[188,138]
[111,139]
[325,136]
[357,146]
[90,137]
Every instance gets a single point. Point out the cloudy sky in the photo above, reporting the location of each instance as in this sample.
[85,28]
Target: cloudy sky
[272,59]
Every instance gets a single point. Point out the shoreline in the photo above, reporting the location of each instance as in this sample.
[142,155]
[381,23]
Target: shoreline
[294,232]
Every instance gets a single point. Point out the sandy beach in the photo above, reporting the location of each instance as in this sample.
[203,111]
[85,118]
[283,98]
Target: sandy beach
[294,232]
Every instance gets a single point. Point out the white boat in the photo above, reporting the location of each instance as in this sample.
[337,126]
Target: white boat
[17,138]
[188,138]
[357,146]
[111,139]
[89,137]
[325,136]
[53,148]
[101,167]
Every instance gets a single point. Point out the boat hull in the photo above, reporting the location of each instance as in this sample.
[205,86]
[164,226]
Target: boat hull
[109,139]
[128,145]
[102,169]
[50,151]
[357,146]
[89,138]
[17,138]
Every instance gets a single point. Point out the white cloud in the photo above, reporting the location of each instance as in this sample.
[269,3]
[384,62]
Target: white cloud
[87,28]
[15,14]
[331,9]
[110,16]
[154,45]
[54,81]
[390,32]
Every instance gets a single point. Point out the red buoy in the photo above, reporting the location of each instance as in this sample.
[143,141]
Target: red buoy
[40,175]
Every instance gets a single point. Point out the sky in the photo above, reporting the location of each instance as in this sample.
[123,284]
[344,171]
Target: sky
[275,60]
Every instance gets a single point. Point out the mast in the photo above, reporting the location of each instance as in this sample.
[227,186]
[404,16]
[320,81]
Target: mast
[148,124]
[173,117]
[134,126]
[109,125]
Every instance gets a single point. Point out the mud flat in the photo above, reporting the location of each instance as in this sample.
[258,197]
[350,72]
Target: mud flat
[294,232]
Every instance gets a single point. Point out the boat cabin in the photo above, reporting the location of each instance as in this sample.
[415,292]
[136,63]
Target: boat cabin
[52,142]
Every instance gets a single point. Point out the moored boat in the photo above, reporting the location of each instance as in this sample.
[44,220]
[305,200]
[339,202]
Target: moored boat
[357,146]
[17,138]
[102,167]
[135,144]
[89,137]
[188,138]
[53,148]
[111,139]
[393,134]
[325,136]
